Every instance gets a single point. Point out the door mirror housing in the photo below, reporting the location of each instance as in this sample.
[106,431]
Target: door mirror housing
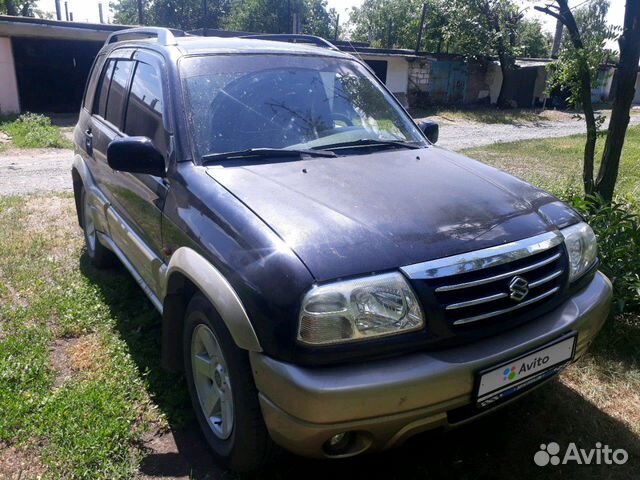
[430,129]
[136,155]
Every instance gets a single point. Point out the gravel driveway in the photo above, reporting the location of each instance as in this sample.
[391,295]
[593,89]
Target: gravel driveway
[42,170]
[460,135]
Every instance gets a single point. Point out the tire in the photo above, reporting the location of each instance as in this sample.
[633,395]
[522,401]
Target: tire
[222,390]
[100,256]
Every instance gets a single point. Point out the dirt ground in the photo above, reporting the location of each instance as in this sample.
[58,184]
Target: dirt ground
[457,135]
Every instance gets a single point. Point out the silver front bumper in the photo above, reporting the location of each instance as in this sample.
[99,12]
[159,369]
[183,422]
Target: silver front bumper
[388,400]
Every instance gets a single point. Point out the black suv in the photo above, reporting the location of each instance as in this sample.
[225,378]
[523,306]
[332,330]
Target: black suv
[328,279]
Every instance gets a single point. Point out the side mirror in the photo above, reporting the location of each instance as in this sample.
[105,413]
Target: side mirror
[136,155]
[430,129]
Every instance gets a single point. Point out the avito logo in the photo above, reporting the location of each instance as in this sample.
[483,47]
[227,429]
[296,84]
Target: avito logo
[512,372]
[549,454]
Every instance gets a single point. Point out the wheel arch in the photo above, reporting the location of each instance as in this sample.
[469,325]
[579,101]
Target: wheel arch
[189,272]
[77,188]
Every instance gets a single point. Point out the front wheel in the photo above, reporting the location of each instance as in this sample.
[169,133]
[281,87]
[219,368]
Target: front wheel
[222,390]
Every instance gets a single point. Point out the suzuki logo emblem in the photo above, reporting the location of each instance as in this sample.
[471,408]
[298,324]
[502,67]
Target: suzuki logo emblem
[518,288]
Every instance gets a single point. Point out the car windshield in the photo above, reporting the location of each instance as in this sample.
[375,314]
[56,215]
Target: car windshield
[292,102]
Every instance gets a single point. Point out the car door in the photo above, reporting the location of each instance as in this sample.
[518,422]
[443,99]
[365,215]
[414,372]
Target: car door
[138,199]
[107,116]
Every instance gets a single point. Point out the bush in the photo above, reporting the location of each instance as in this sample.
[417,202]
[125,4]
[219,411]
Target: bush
[617,227]
[31,130]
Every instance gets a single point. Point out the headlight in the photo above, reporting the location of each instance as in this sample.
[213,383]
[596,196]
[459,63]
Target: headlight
[358,310]
[582,249]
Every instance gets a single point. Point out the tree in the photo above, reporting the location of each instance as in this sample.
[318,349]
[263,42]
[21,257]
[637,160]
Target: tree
[484,28]
[591,19]
[395,23]
[624,92]
[22,9]
[535,42]
[573,72]
[182,14]
[276,16]
[576,70]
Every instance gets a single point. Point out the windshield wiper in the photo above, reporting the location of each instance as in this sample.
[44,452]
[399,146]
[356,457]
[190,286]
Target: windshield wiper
[372,142]
[265,153]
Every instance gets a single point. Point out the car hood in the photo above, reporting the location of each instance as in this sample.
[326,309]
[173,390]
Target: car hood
[358,214]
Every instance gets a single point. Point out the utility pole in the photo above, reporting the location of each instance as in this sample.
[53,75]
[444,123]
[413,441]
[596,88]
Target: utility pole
[71,16]
[58,10]
[557,39]
[66,10]
[296,27]
[424,16]
[100,12]
[335,33]
[140,13]
[204,14]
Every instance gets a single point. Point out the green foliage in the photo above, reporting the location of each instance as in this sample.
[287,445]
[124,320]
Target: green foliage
[260,16]
[534,41]
[591,19]
[13,7]
[617,226]
[564,75]
[32,130]
[182,14]
[276,16]
[395,24]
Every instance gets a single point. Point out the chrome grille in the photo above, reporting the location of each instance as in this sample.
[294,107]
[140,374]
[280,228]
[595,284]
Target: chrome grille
[496,283]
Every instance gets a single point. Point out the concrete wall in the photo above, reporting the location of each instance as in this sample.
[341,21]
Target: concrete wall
[600,92]
[494,80]
[539,93]
[419,73]
[397,72]
[9,102]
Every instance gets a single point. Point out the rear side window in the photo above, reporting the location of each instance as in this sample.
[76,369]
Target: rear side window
[94,77]
[118,91]
[100,100]
[145,107]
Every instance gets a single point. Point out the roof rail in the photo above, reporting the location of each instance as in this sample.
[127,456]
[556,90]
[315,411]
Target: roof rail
[165,36]
[295,38]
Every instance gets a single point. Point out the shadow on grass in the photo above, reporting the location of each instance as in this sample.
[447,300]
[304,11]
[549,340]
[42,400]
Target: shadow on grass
[500,445]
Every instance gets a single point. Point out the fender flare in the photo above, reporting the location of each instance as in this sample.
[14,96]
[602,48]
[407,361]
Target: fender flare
[217,289]
[80,173]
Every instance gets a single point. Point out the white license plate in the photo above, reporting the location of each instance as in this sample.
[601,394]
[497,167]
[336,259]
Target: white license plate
[512,377]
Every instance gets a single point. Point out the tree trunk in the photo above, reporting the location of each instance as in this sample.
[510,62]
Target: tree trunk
[564,15]
[627,73]
[506,89]
[585,99]
[592,131]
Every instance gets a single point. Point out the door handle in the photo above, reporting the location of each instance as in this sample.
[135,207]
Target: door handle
[88,142]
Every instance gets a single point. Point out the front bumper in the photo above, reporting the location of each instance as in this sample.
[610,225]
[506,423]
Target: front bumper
[386,401]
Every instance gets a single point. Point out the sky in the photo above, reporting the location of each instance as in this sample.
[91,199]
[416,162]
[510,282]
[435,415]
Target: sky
[87,10]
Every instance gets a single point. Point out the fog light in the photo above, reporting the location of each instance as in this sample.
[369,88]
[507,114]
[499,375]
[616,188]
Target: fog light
[339,443]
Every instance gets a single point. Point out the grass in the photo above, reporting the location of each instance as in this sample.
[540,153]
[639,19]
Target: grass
[57,313]
[81,387]
[556,163]
[33,131]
